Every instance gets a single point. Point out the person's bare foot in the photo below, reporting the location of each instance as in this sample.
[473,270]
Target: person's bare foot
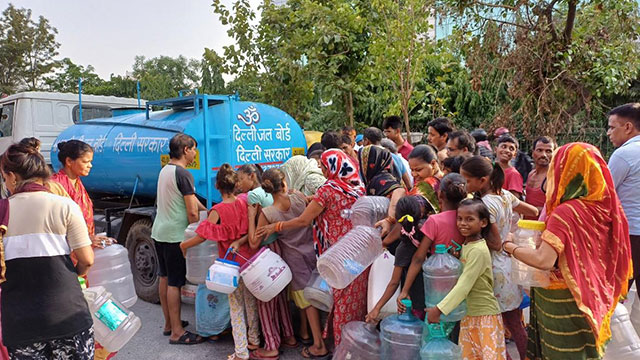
[262,353]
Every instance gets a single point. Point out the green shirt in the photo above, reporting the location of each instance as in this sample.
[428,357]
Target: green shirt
[475,284]
[174,183]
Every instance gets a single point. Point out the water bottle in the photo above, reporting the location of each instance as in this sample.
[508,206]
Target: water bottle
[367,210]
[360,341]
[113,324]
[112,269]
[625,343]
[200,257]
[439,347]
[528,235]
[441,272]
[318,293]
[349,257]
[400,335]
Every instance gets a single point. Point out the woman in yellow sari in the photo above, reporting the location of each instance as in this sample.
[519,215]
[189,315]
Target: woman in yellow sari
[586,247]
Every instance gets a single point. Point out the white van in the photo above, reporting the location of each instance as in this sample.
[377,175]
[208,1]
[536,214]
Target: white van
[44,115]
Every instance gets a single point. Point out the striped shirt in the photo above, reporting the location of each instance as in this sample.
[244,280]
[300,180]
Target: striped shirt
[42,286]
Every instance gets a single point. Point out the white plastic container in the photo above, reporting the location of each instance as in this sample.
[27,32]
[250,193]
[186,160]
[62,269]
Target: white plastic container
[528,235]
[265,274]
[318,293]
[188,294]
[349,257]
[625,343]
[379,277]
[223,276]
[111,269]
[113,324]
[200,257]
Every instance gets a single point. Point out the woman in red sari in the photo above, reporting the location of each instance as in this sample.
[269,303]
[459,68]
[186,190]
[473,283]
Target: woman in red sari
[586,247]
[339,192]
[76,157]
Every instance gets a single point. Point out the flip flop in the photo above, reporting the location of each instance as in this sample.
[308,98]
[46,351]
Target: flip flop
[308,355]
[289,346]
[305,342]
[185,323]
[188,338]
[255,355]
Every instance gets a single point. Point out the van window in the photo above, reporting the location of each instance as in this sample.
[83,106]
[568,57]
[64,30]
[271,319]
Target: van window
[90,112]
[6,120]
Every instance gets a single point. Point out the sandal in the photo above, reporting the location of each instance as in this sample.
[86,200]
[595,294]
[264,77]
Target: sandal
[188,338]
[305,342]
[185,323]
[289,346]
[255,355]
[308,355]
[252,347]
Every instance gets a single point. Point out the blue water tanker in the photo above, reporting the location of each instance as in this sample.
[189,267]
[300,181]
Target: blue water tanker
[130,149]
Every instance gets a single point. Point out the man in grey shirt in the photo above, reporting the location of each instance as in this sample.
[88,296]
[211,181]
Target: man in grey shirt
[624,133]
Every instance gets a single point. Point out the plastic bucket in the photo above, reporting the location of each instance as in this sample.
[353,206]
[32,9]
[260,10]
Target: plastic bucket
[223,275]
[265,274]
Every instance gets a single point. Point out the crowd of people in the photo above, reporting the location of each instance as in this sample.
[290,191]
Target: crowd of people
[461,189]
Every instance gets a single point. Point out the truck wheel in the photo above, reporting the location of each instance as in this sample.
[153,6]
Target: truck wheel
[144,260]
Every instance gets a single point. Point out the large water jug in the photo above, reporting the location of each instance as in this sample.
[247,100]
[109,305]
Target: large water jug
[439,347]
[528,235]
[318,293]
[113,324]
[200,257]
[350,256]
[360,341]
[625,343]
[379,277]
[367,210]
[265,274]
[400,335]
[441,272]
[111,269]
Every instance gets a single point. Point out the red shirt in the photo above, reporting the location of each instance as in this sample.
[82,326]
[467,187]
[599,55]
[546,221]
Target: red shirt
[441,229]
[513,180]
[405,149]
[535,197]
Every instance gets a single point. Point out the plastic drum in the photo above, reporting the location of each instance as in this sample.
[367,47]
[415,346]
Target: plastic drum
[223,276]
[265,274]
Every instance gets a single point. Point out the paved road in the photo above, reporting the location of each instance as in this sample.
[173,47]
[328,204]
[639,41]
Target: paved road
[149,344]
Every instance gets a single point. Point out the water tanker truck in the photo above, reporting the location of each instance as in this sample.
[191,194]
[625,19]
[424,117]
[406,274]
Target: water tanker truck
[130,149]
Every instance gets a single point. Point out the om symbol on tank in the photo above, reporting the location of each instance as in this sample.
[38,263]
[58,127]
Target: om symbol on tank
[251,116]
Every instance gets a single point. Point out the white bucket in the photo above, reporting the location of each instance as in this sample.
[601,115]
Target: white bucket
[223,276]
[265,274]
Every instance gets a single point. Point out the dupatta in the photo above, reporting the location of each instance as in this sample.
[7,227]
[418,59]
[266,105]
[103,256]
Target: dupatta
[78,194]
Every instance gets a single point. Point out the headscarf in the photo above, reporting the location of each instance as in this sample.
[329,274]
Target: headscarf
[341,173]
[376,166]
[587,227]
[303,174]
[78,194]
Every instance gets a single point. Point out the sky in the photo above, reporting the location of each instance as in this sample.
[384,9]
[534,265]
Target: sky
[108,34]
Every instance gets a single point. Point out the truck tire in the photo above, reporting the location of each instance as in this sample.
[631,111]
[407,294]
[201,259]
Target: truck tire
[144,260]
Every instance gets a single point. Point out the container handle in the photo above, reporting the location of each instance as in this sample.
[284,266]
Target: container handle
[458,247]
[229,250]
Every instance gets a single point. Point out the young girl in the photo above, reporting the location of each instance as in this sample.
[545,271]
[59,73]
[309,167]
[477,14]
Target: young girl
[486,179]
[409,212]
[274,314]
[296,247]
[227,224]
[438,229]
[481,330]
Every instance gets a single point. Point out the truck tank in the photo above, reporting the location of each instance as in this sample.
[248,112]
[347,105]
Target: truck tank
[130,150]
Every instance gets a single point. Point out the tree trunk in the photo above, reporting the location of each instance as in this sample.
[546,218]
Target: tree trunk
[405,113]
[348,104]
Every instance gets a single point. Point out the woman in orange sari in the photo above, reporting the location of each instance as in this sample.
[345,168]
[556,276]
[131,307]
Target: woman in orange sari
[586,247]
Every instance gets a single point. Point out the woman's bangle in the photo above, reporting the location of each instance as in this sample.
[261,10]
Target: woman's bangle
[504,244]
[279,226]
[513,253]
[390,219]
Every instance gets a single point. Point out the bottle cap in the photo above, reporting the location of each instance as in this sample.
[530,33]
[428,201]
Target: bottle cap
[531,225]
[83,282]
[441,249]
[406,302]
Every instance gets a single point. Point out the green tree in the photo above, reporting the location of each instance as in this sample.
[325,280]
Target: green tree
[66,78]
[117,85]
[163,76]
[212,66]
[27,49]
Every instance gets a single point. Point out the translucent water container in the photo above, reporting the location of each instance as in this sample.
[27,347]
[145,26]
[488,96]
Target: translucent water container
[379,277]
[318,293]
[350,256]
[188,293]
[528,235]
[113,324]
[625,343]
[360,341]
[400,335]
[111,269]
[439,347]
[367,210]
[200,257]
[441,272]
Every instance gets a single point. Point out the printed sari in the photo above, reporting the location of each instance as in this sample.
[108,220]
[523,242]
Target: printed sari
[376,168]
[588,229]
[79,194]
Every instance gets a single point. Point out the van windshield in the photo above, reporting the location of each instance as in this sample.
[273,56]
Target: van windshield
[6,120]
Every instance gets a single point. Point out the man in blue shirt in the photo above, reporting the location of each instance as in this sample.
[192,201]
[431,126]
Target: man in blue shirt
[624,133]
